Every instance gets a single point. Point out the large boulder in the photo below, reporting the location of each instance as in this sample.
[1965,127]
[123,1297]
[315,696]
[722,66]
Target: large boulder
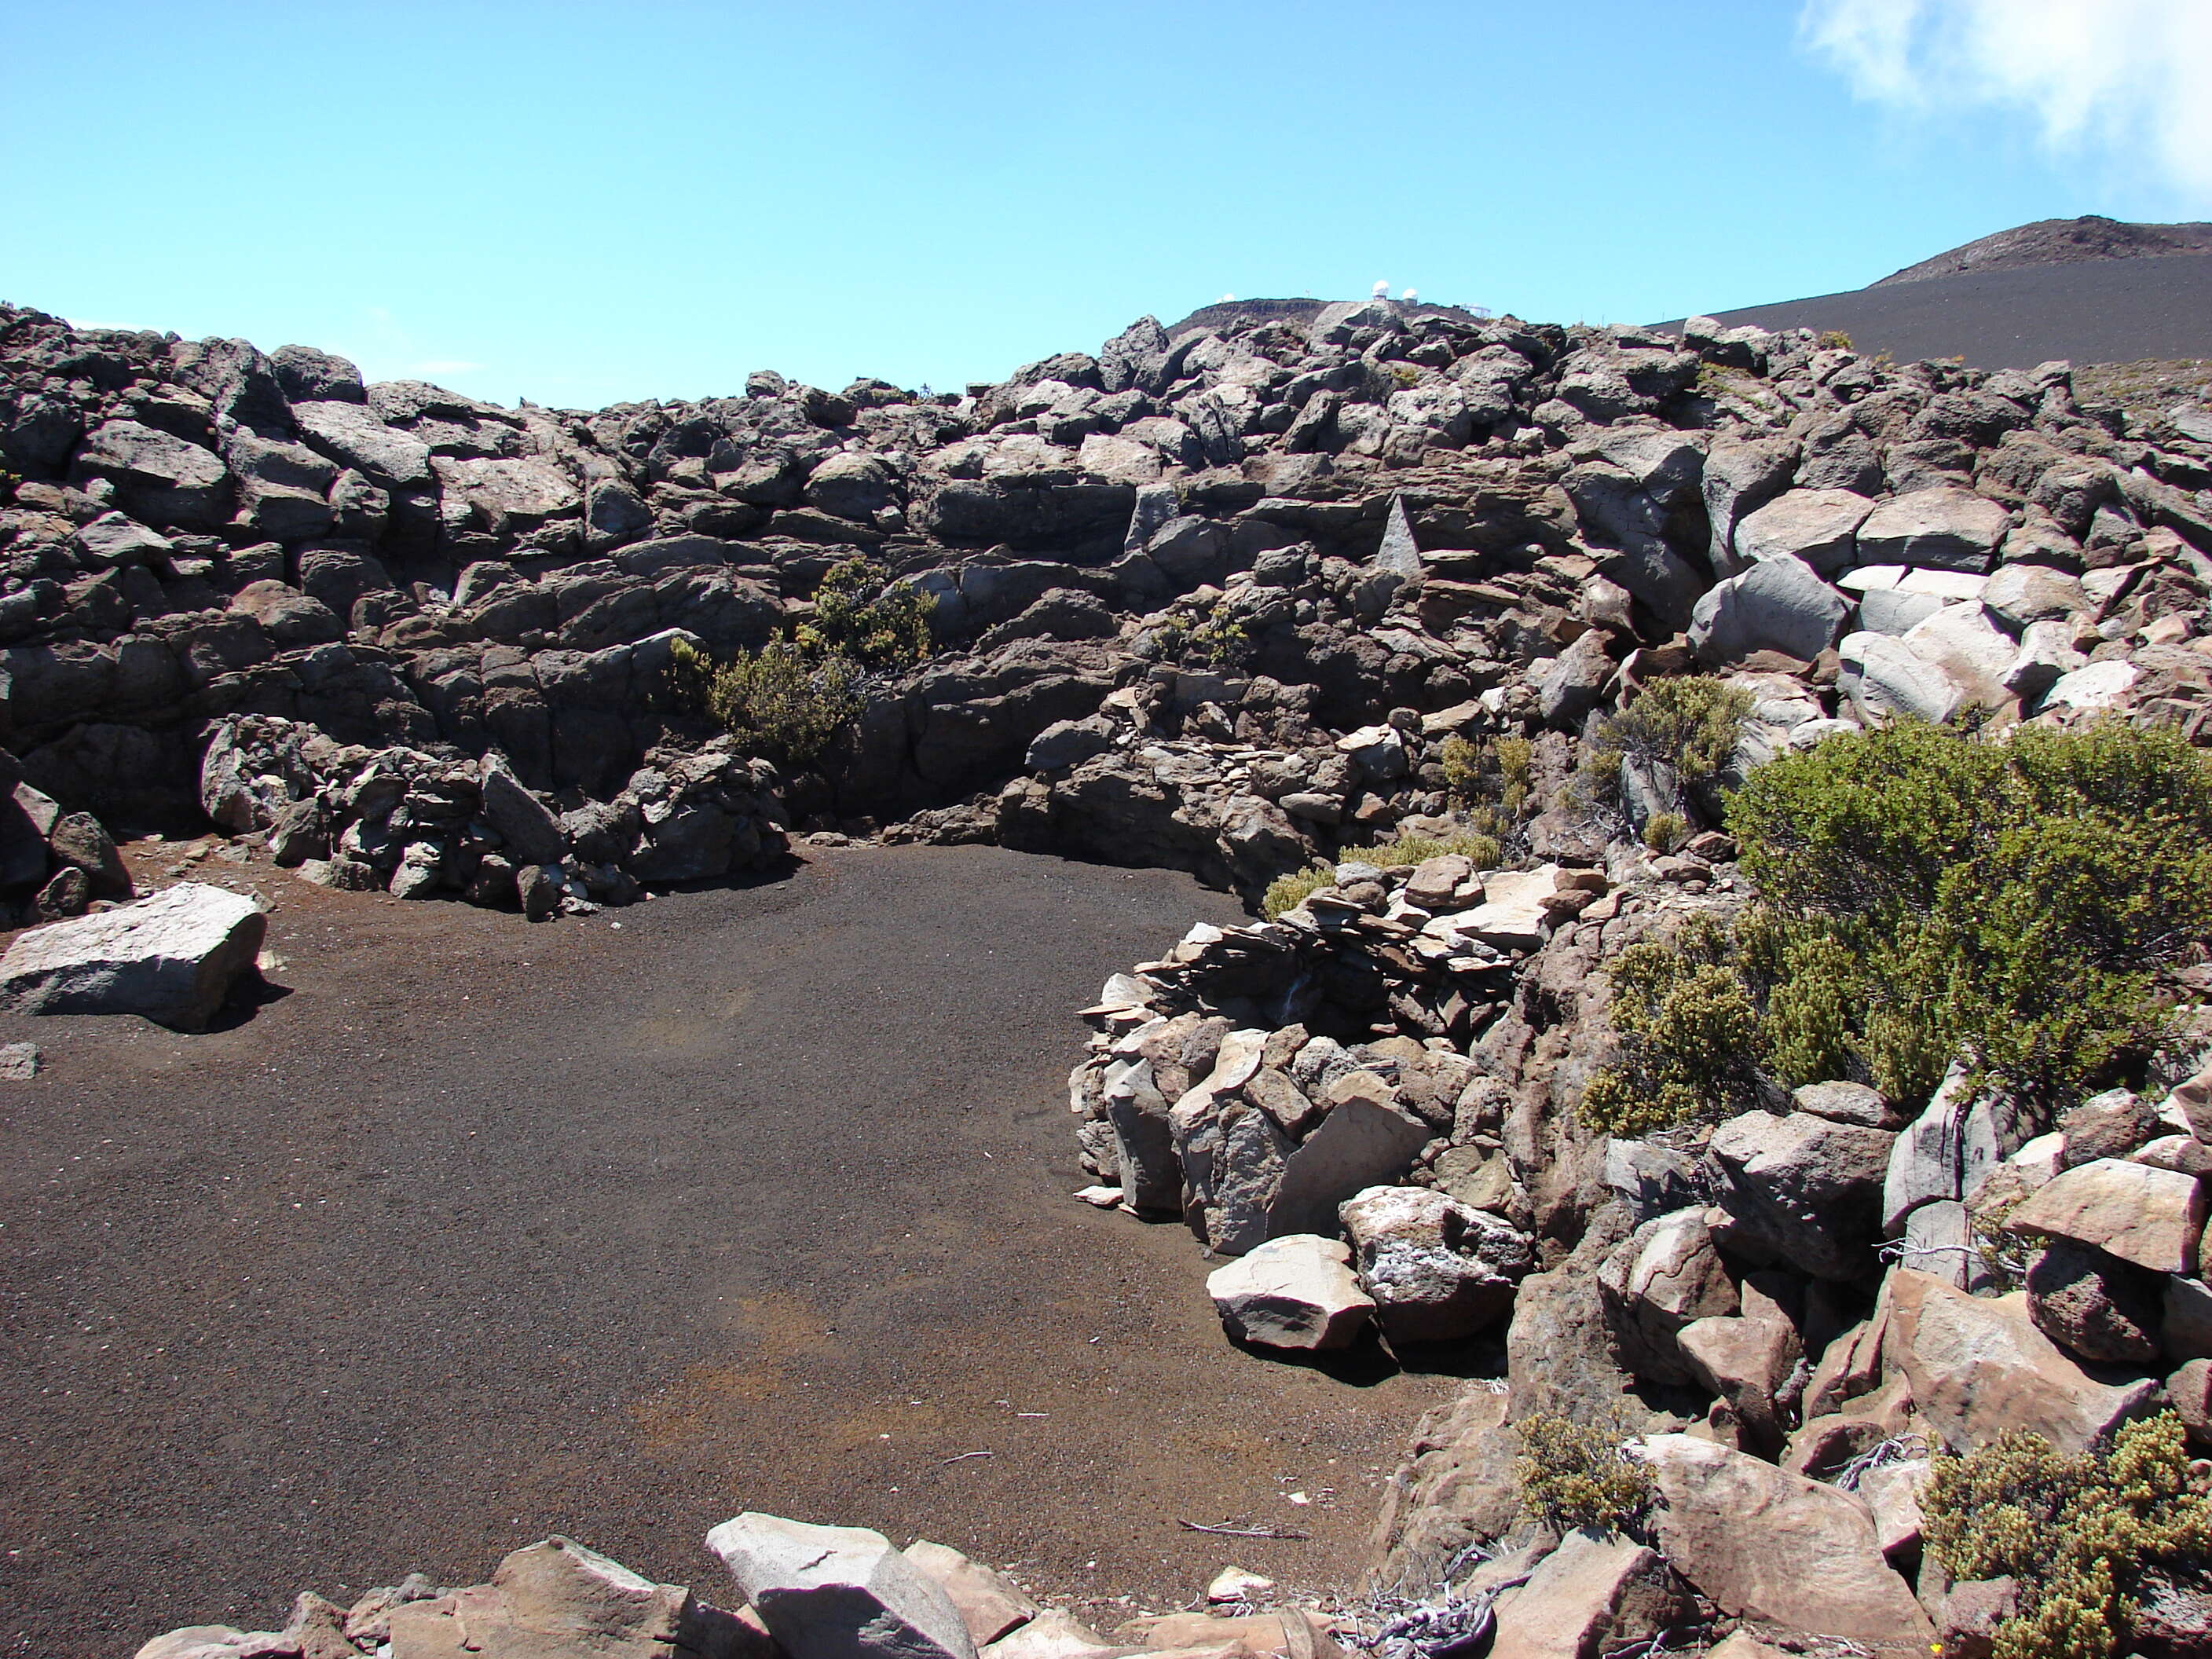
[1764,1544]
[554,1599]
[1292,1293]
[171,957]
[1365,1140]
[1979,1367]
[2152,1218]
[1820,526]
[1779,604]
[1805,1191]
[990,1604]
[1595,1594]
[160,478]
[1949,529]
[838,1592]
[1437,1270]
[1885,678]
[1658,1280]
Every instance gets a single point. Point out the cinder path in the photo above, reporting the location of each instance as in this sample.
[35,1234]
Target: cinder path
[486,1231]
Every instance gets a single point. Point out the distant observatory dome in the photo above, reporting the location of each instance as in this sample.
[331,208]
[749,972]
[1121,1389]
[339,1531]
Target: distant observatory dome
[1381,291]
[1410,295]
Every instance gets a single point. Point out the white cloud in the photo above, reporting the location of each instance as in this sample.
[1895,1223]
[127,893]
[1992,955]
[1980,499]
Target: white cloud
[2129,80]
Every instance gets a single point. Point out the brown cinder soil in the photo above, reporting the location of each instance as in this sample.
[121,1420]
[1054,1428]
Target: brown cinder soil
[482,1232]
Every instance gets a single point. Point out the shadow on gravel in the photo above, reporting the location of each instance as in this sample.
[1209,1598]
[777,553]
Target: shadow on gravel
[248,997]
[776,870]
[1370,1361]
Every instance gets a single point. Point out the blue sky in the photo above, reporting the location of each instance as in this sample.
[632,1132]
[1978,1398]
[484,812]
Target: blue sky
[581,204]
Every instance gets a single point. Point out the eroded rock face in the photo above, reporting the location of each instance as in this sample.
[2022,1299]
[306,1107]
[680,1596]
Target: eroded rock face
[1979,1367]
[1742,1532]
[171,957]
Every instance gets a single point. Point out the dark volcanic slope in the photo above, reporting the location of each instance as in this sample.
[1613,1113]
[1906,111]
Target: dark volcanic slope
[2099,312]
[759,1199]
[2060,241]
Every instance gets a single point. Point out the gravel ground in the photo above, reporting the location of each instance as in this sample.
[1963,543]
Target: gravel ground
[2104,311]
[473,1231]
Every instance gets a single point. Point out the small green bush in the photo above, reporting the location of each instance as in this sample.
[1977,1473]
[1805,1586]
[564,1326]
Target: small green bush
[1288,892]
[772,700]
[1474,846]
[2079,1534]
[1573,1475]
[1834,339]
[1496,772]
[1692,723]
[1689,1032]
[860,615]
[1665,831]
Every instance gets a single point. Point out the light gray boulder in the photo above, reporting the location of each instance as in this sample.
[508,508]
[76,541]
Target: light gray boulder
[2046,655]
[1364,1141]
[1292,1293]
[1438,1270]
[526,823]
[1885,678]
[1818,526]
[1961,640]
[1944,1153]
[1779,604]
[1947,528]
[2019,594]
[1739,478]
[838,1592]
[171,957]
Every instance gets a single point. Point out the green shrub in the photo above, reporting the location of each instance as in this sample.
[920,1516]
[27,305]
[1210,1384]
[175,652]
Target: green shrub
[1692,723]
[1288,892]
[2080,1535]
[1834,339]
[1926,891]
[1665,831]
[772,700]
[1573,1475]
[1479,848]
[1496,771]
[860,615]
[1689,724]
[1690,1039]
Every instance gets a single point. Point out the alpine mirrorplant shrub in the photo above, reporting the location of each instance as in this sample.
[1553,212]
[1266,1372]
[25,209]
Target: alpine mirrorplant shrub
[777,705]
[1926,891]
[2080,1535]
[1689,1031]
[1576,1474]
[1290,891]
[859,615]
[1689,724]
